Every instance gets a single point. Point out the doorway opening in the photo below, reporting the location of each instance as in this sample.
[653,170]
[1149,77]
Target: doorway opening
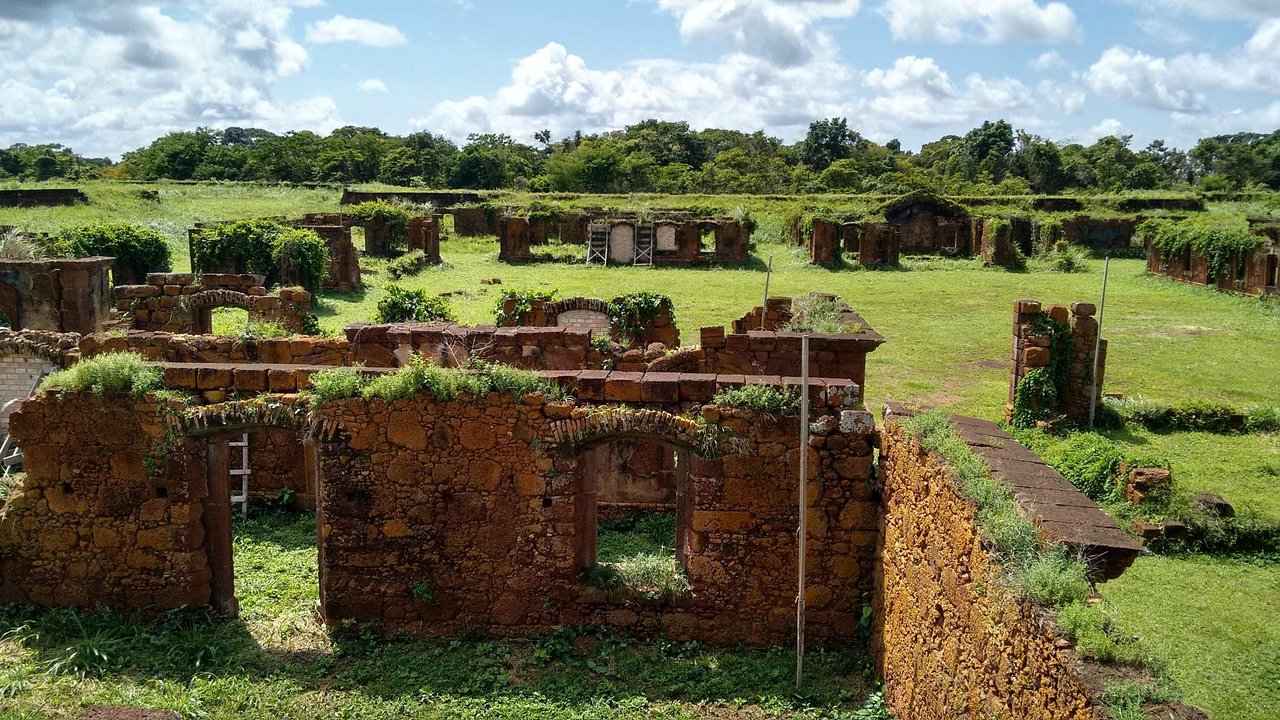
[635,514]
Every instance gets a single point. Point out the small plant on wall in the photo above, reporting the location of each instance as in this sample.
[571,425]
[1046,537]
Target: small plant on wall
[524,305]
[633,312]
[424,592]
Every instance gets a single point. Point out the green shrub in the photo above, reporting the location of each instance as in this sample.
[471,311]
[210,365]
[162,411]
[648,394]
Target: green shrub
[524,305]
[1089,461]
[140,249]
[247,244]
[1124,700]
[418,376]
[1197,416]
[401,305]
[300,254]
[761,398]
[335,384]
[631,313]
[111,372]
[1064,257]
[1262,418]
[378,211]
[411,263]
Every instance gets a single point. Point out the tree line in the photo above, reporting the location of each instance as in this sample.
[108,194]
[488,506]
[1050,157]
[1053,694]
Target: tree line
[670,157]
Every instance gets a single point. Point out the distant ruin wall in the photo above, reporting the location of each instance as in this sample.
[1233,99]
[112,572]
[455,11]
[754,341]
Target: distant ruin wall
[951,641]
[42,197]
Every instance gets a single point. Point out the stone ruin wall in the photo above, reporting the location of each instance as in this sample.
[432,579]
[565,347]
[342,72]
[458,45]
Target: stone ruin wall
[1261,267]
[495,524]
[950,641]
[182,303]
[56,295]
[1032,350]
[677,237]
[101,518]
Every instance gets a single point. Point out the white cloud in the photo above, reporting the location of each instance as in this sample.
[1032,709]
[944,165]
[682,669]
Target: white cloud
[1062,98]
[1139,78]
[782,32]
[1160,29]
[115,76]
[553,88]
[1048,61]
[1217,9]
[988,21]
[341,28]
[1176,83]
[1107,128]
[374,85]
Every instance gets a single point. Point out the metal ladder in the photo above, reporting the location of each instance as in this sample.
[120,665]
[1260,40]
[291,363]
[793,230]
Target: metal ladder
[242,472]
[644,245]
[10,453]
[598,243]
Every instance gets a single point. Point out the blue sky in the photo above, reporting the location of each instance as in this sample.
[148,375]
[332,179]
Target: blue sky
[105,76]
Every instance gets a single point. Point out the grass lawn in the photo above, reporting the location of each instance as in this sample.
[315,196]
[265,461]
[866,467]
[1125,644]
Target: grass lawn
[276,663]
[948,324]
[1215,619]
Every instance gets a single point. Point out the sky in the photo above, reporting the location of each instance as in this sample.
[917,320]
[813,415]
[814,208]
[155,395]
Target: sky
[108,76]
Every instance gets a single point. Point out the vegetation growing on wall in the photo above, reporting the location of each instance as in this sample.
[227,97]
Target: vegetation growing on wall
[1036,396]
[1196,415]
[109,372]
[1222,246]
[524,305]
[817,314]
[264,248]
[407,265]
[138,248]
[442,384]
[631,313]
[768,399]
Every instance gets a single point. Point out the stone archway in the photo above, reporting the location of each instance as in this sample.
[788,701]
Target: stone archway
[202,304]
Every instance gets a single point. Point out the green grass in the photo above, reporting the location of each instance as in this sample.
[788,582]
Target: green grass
[1215,620]
[948,328]
[639,553]
[276,663]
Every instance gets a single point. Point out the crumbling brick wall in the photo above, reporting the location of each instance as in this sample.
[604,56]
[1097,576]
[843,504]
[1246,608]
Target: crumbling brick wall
[56,295]
[950,640]
[179,303]
[102,517]
[482,502]
[1031,349]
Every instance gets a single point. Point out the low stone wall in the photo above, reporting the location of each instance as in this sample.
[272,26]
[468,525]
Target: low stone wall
[42,197]
[181,303]
[180,348]
[951,641]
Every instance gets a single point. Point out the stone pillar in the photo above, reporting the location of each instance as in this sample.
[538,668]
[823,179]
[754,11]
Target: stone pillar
[731,242]
[513,239]
[424,235]
[997,245]
[822,244]
[879,244]
[1084,340]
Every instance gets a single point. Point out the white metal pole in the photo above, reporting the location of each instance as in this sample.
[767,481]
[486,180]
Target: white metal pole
[1097,347]
[803,533]
[764,308]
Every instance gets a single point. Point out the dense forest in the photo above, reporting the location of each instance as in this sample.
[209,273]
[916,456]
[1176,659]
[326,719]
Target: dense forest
[670,157]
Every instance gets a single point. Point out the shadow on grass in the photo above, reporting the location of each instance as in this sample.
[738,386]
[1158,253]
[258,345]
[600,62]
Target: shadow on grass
[566,668]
